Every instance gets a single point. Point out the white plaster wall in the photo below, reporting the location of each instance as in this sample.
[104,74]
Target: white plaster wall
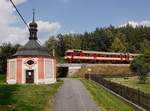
[9,80]
[51,79]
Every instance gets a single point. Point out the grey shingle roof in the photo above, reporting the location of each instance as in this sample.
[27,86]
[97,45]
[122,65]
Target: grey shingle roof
[32,48]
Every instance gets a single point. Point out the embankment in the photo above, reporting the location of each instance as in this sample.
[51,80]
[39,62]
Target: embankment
[105,70]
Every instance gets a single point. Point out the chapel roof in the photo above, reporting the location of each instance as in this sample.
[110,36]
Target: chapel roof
[32,47]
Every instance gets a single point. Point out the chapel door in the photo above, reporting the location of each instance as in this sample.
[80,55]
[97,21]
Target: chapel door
[29,76]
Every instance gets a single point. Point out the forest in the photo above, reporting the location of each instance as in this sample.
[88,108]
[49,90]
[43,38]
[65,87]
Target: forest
[107,39]
[110,39]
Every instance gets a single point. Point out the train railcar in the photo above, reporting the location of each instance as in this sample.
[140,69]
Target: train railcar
[76,56]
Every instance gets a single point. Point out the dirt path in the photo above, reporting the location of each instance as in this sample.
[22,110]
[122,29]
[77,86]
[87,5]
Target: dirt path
[73,96]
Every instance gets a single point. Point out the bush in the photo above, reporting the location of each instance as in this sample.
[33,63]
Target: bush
[141,66]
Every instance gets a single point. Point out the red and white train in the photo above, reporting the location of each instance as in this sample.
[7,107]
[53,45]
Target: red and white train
[77,56]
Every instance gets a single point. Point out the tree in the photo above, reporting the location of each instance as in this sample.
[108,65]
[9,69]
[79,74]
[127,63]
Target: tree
[61,46]
[119,44]
[69,40]
[145,45]
[102,41]
[7,50]
[141,66]
[77,42]
[84,41]
[51,44]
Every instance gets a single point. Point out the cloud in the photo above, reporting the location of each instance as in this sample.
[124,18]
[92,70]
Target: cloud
[47,29]
[7,18]
[6,13]
[15,34]
[145,23]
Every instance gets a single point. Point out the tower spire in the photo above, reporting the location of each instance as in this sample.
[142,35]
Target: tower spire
[33,28]
[33,15]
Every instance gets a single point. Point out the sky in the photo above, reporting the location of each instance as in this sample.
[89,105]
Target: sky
[69,16]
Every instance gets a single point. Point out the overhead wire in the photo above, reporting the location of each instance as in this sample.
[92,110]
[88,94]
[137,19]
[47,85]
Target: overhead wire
[19,14]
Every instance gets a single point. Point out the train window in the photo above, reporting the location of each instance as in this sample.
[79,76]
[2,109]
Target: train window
[87,54]
[82,54]
[113,56]
[90,54]
[77,54]
[69,53]
[117,56]
[74,53]
[94,55]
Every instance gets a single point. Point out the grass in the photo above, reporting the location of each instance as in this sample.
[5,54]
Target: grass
[27,97]
[105,100]
[2,78]
[133,82]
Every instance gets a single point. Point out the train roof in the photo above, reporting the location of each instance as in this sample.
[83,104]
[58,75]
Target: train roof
[98,52]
